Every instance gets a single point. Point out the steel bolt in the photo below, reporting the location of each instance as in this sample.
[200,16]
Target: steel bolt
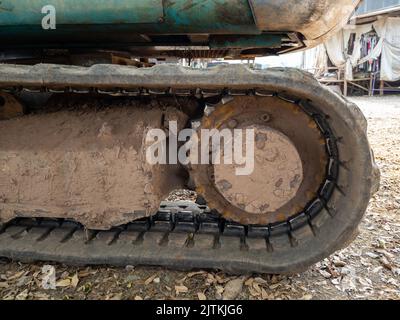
[232,124]
[266,117]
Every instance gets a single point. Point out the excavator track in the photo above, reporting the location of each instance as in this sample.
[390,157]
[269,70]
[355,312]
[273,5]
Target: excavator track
[181,235]
[190,236]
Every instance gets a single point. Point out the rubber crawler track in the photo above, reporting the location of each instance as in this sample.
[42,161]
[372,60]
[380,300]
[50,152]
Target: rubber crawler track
[185,236]
[189,236]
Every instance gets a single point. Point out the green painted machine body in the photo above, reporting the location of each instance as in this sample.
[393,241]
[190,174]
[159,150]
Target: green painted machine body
[122,20]
[214,24]
[178,16]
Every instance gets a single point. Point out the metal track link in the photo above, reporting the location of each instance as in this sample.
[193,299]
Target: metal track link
[183,235]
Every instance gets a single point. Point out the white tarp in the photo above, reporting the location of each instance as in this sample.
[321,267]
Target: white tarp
[388,30]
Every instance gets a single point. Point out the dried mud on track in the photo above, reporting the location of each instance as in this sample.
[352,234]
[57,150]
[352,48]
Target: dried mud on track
[368,269]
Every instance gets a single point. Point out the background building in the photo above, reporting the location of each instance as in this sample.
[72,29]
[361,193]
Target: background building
[363,58]
[372,6]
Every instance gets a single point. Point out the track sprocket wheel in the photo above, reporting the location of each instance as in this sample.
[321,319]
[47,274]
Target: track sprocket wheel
[290,161]
[329,134]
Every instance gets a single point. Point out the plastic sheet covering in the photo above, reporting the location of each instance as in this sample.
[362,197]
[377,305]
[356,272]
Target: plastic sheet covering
[388,30]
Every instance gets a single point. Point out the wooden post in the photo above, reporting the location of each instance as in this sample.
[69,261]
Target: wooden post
[371,84]
[381,87]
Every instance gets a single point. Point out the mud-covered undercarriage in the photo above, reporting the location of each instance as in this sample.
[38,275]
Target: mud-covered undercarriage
[84,84]
[76,188]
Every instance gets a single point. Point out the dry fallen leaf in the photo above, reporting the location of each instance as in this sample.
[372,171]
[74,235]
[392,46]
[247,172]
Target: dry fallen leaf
[253,292]
[261,281]
[232,289]
[63,283]
[83,273]
[264,294]
[150,280]
[256,287]
[16,276]
[201,296]
[181,289]
[325,274]
[41,296]
[274,286]
[74,281]
[385,262]
[180,281]
[220,280]
[23,295]
[192,274]
[339,263]
[372,255]
[249,282]
[219,289]
[117,296]
[210,279]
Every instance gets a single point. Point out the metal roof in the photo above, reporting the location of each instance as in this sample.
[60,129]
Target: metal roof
[376,6]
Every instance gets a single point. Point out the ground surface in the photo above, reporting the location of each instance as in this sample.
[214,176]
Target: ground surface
[369,268]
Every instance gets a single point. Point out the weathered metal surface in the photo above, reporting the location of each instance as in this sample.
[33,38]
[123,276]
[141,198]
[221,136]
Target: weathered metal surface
[115,76]
[242,42]
[312,18]
[127,17]
[217,16]
[275,180]
[111,23]
[10,107]
[90,167]
[76,12]
[289,168]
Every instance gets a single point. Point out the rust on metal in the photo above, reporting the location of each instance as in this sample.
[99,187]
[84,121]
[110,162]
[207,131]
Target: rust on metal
[276,178]
[289,162]
[10,107]
[313,19]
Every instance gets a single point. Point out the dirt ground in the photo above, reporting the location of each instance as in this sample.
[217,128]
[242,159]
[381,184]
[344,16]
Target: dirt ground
[368,269]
